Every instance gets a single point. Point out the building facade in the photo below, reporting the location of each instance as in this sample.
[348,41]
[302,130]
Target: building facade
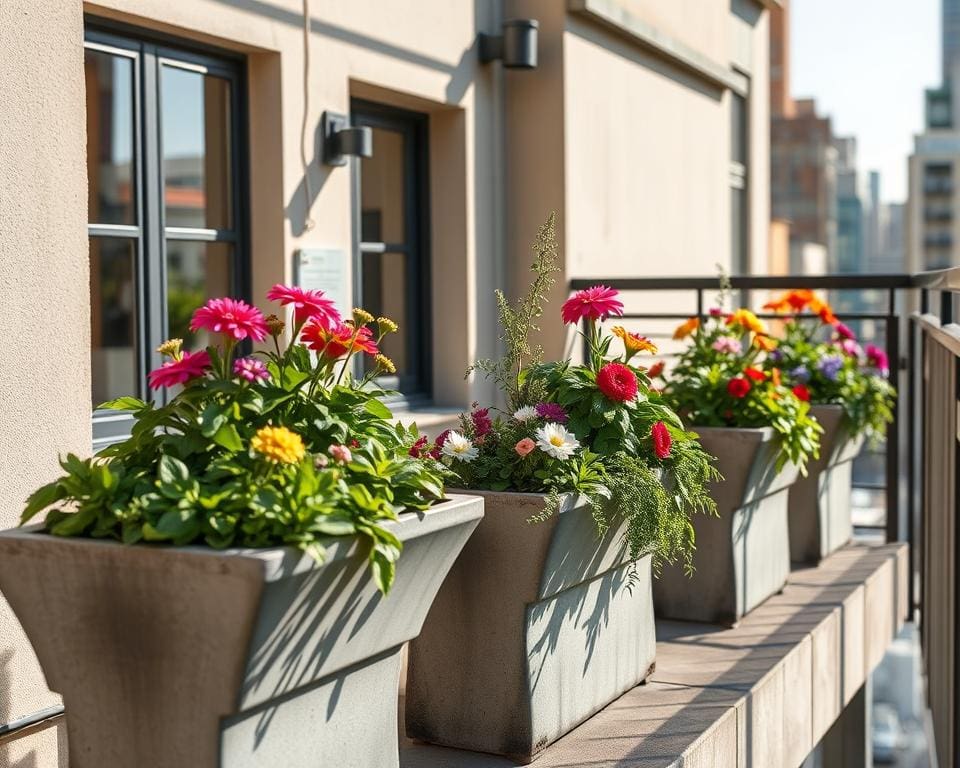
[155,154]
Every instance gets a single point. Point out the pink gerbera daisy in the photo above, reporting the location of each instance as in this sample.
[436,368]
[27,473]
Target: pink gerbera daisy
[173,372]
[594,303]
[306,304]
[231,317]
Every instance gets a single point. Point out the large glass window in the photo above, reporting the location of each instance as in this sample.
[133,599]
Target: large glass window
[164,210]
[392,260]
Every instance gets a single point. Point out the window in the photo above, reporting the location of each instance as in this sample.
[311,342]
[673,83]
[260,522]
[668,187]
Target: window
[392,260]
[739,207]
[165,217]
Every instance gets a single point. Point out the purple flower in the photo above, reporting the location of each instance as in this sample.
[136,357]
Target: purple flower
[552,412]
[482,424]
[801,373]
[830,366]
[251,369]
[877,358]
[775,355]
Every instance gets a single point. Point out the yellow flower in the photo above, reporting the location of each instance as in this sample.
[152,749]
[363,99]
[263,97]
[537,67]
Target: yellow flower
[385,364]
[632,342]
[685,329]
[171,347]
[386,325]
[278,445]
[747,320]
[361,316]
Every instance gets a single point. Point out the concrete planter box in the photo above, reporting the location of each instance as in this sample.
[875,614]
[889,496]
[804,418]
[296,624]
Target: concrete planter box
[743,556]
[170,657]
[535,629]
[819,511]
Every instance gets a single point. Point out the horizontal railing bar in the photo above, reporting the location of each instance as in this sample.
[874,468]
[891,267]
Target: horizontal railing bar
[765,316]
[35,718]
[852,282]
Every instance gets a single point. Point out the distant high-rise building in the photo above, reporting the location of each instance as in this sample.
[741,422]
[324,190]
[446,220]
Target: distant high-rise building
[933,206]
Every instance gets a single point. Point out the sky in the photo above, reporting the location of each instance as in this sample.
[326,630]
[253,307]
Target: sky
[866,62]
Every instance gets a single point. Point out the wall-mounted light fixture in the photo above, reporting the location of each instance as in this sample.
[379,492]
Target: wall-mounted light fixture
[516,46]
[340,141]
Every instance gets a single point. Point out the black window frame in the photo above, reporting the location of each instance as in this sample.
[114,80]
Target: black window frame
[150,52]
[417,324]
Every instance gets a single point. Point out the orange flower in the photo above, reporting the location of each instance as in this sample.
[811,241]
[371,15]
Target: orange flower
[633,342]
[764,342]
[747,320]
[775,377]
[826,313]
[656,369]
[685,329]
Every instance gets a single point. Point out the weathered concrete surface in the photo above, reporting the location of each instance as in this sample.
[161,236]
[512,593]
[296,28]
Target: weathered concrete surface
[819,511]
[537,627]
[169,657]
[748,697]
[742,556]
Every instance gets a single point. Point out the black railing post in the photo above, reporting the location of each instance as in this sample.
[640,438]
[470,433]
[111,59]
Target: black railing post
[893,433]
[946,307]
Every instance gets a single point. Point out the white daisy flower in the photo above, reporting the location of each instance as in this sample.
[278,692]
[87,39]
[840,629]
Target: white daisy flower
[459,447]
[525,414]
[556,440]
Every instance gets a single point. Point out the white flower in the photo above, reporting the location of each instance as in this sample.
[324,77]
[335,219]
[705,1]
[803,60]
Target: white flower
[525,414]
[460,448]
[555,440]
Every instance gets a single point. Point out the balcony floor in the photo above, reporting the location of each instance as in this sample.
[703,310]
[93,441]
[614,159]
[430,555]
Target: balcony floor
[761,694]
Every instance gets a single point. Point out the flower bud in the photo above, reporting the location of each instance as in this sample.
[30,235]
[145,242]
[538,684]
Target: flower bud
[274,325]
[361,316]
[171,347]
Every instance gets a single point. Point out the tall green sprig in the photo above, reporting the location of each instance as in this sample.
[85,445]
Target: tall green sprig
[519,320]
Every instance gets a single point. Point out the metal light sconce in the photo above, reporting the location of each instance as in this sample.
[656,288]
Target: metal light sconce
[516,47]
[341,141]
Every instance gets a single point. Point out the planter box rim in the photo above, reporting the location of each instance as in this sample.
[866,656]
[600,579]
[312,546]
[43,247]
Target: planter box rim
[282,561]
[766,433]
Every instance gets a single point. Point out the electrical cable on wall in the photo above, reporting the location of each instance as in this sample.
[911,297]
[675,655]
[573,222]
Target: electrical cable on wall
[308,222]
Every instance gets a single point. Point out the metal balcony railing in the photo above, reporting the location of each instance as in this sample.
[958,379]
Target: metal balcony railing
[912,317]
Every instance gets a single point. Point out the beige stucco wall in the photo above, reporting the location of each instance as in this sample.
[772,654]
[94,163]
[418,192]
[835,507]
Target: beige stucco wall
[44,322]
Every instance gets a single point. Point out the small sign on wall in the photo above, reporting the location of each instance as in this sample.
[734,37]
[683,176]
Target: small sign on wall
[324,269]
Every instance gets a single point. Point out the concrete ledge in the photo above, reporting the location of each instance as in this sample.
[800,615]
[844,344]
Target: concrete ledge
[761,694]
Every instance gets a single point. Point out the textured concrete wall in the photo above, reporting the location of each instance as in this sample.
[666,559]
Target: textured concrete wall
[44,322]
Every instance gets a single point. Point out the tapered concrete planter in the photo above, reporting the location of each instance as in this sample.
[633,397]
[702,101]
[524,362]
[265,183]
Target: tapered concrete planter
[820,521]
[174,657]
[742,556]
[536,628]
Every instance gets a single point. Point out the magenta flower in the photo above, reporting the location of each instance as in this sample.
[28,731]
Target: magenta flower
[251,369]
[307,305]
[727,345]
[482,424]
[877,358]
[844,331]
[552,412]
[594,303]
[231,317]
[850,348]
[341,454]
[173,372]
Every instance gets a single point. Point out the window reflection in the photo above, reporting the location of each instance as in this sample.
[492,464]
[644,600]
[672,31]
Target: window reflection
[112,318]
[109,83]
[195,139]
[195,272]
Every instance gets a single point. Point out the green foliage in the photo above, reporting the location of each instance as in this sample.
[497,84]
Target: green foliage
[718,381]
[199,470]
[520,320]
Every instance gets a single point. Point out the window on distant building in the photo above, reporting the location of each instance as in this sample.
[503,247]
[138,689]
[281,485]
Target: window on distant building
[392,262]
[165,223]
[739,177]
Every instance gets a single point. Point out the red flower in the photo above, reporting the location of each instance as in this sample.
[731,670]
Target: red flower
[334,343]
[756,374]
[661,440]
[307,304]
[656,369]
[172,372]
[419,449]
[617,382]
[802,393]
[593,303]
[231,317]
[482,423]
[738,387]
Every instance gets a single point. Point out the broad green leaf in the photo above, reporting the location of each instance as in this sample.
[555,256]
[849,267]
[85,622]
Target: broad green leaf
[126,403]
[228,437]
